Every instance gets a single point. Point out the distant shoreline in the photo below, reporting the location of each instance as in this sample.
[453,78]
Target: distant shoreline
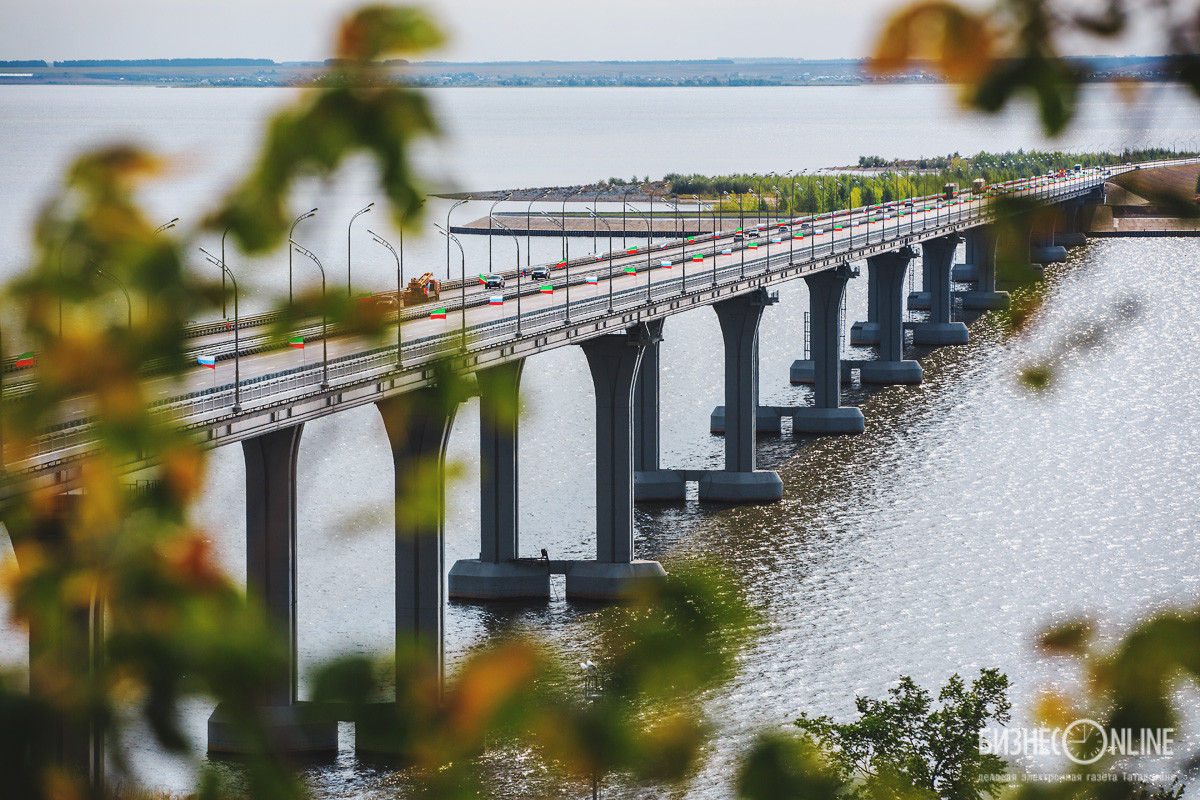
[205,73]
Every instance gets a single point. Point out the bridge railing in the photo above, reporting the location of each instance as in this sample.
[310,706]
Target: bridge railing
[217,402]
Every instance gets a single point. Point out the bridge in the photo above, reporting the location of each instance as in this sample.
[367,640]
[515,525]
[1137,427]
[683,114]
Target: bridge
[614,308]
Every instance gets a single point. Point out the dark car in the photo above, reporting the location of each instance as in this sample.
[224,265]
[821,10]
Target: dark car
[540,273]
[493,281]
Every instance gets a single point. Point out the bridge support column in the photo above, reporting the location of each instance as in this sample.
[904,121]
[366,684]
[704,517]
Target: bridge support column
[418,429]
[919,299]
[70,642]
[866,333]
[937,256]
[271,568]
[651,483]
[739,482]
[766,420]
[968,271]
[888,270]
[614,360]
[982,243]
[825,290]
[496,574]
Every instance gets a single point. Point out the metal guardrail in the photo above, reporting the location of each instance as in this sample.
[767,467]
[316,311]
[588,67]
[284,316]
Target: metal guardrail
[357,367]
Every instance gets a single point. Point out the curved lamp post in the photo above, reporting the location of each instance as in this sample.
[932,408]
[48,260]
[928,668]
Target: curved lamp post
[492,211]
[124,291]
[624,199]
[357,214]
[237,350]
[324,317]
[446,230]
[528,211]
[566,264]
[399,284]
[517,244]
[463,255]
[291,230]
[596,216]
[647,221]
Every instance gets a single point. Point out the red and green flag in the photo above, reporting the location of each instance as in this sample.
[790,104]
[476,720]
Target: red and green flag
[697,257]
[547,289]
[297,342]
[631,270]
[25,360]
[439,314]
[482,279]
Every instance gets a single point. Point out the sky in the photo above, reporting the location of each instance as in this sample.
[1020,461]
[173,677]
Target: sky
[481,30]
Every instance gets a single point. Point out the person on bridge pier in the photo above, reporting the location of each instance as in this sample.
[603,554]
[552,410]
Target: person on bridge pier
[614,360]
[981,245]
[825,290]
[888,271]
[496,574]
[740,482]
[937,257]
[271,570]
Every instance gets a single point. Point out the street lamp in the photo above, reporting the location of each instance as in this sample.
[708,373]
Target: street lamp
[492,211]
[447,231]
[166,226]
[324,316]
[299,219]
[528,211]
[517,243]
[741,226]
[763,203]
[224,310]
[462,254]
[399,283]
[566,262]
[357,214]
[624,199]
[596,216]
[643,216]
[128,303]
[237,351]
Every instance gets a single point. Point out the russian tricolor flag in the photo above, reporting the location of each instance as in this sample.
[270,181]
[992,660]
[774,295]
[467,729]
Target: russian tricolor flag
[727,252]
[592,280]
[207,361]
[496,300]
[666,262]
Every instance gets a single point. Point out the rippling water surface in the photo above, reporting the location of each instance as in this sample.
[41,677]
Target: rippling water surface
[970,514]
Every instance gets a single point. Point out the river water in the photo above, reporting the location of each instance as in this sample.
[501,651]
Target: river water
[970,514]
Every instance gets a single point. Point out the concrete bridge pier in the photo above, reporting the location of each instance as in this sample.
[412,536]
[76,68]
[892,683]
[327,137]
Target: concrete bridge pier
[650,481]
[1077,216]
[937,256]
[919,300]
[967,271]
[888,270]
[825,290]
[867,333]
[497,574]
[271,569]
[766,419]
[418,430]
[72,642]
[614,360]
[981,242]
[740,482]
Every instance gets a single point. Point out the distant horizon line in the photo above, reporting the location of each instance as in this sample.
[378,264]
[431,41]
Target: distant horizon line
[248,61]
